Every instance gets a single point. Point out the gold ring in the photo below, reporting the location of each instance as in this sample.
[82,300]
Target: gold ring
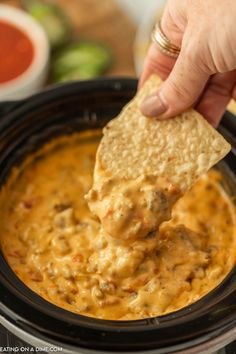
[163,42]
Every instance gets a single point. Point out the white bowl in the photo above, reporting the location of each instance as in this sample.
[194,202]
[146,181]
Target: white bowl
[31,80]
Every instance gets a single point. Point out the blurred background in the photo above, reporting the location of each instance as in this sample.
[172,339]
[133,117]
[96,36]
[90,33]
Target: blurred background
[85,39]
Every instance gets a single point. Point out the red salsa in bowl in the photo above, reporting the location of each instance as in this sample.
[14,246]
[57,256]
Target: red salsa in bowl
[16,52]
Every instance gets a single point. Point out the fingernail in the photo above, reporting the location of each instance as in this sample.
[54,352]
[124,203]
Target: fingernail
[153,106]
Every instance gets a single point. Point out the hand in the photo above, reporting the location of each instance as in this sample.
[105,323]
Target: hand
[204,74]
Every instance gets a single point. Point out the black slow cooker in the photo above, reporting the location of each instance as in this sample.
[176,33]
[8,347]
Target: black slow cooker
[203,327]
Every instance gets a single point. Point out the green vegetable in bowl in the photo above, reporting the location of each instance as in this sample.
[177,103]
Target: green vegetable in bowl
[79,61]
[52,19]
[78,74]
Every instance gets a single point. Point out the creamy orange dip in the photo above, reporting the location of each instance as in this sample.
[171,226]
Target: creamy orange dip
[56,246]
[131,209]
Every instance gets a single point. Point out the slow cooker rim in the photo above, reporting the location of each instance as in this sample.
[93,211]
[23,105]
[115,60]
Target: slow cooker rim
[29,104]
[11,109]
[214,344]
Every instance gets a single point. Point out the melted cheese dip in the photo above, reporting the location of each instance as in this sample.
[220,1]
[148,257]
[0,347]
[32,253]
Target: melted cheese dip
[131,209]
[57,248]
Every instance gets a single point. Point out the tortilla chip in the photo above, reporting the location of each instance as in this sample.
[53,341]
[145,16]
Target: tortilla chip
[180,149]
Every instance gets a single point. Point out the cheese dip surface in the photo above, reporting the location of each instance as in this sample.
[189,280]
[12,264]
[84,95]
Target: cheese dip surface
[57,247]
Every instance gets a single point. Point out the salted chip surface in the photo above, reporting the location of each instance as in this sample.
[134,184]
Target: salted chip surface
[143,166]
[180,149]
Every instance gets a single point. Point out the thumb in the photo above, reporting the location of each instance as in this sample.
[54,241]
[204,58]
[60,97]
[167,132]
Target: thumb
[180,91]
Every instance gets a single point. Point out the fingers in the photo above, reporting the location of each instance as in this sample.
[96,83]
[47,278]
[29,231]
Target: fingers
[186,79]
[180,90]
[174,21]
[218,92]
[156,63]
[234,92]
